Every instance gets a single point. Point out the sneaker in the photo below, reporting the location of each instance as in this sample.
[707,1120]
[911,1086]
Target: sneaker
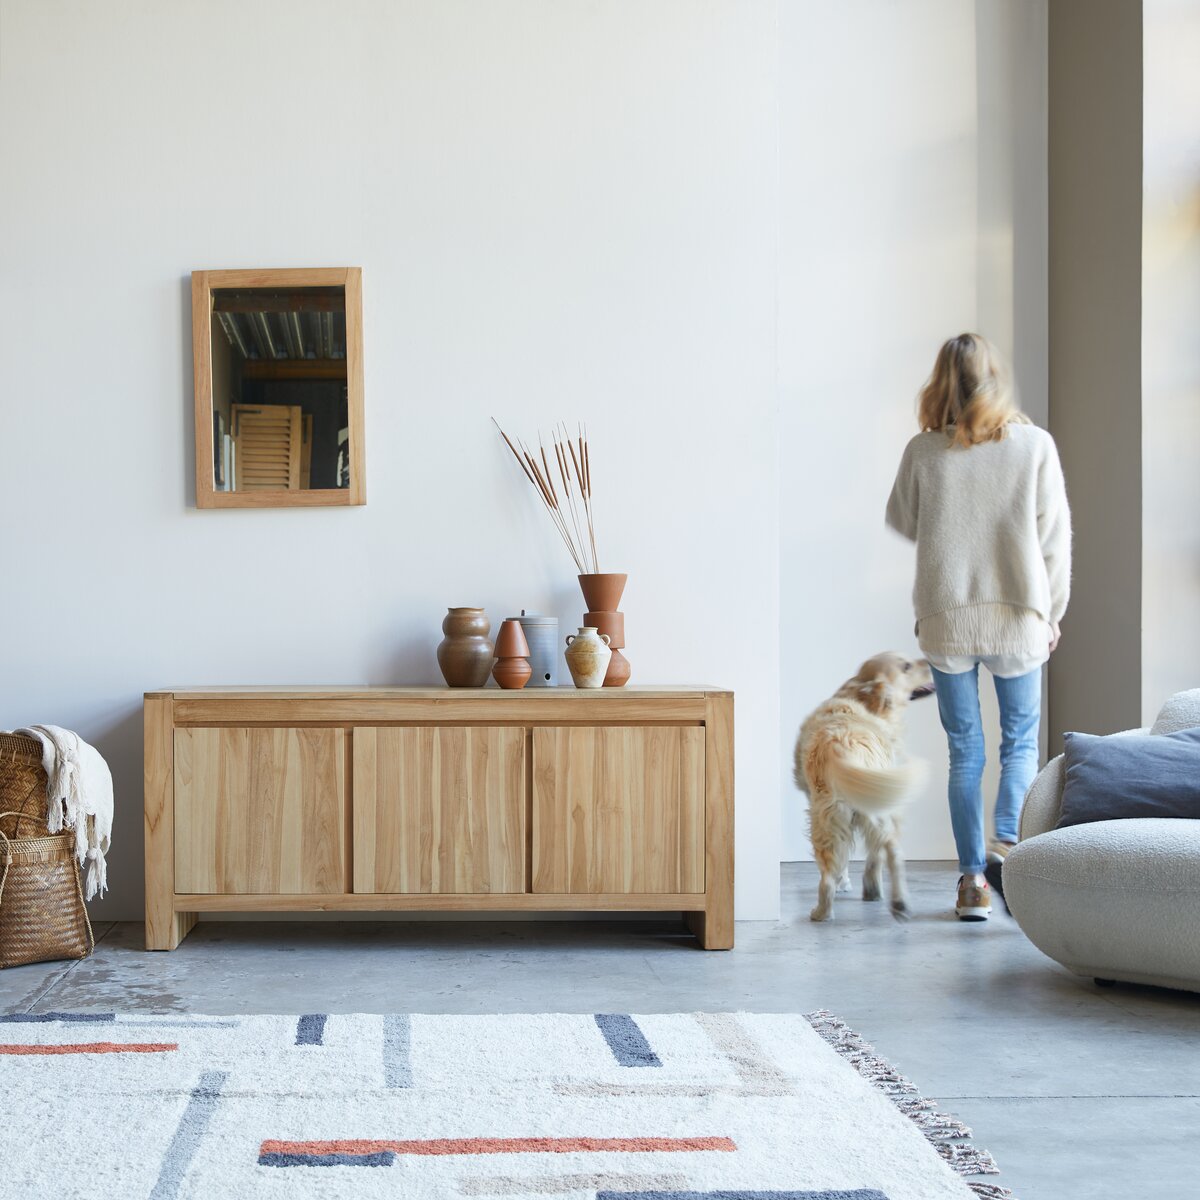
[997,850]
[974,902]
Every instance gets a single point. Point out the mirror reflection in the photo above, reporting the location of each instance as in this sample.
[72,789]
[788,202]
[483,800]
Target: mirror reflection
[279,398]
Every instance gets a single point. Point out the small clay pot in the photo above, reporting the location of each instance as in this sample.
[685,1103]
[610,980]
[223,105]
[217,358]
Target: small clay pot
[602,592]
[588,657]
[465,654]
[512,669]
[512,673]
[618,671]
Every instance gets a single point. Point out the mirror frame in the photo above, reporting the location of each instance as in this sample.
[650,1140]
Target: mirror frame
[203,285]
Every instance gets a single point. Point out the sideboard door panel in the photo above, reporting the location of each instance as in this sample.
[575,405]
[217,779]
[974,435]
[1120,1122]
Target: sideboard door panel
[439,810]
[618,809]
[260,811]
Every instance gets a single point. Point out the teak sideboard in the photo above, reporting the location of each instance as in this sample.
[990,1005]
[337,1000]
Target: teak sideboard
[437,799]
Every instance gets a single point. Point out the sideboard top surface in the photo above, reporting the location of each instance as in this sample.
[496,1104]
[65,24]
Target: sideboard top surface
[352,692]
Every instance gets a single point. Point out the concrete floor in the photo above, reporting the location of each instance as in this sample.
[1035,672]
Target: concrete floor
[1077,1091]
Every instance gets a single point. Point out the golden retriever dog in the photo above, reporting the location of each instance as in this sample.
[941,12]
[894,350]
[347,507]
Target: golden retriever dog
[849,763]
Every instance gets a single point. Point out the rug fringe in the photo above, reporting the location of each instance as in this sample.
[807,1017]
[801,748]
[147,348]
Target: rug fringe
[945,1133]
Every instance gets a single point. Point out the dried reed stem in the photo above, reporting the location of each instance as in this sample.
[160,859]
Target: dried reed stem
[574,471]
[587,488]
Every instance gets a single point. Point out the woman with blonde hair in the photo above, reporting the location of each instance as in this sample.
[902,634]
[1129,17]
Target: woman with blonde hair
[980,490]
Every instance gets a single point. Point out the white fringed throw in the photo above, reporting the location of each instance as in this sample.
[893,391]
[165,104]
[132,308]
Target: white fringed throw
[79,796]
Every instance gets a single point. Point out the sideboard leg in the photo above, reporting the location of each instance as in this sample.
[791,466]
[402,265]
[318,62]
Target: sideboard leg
[168,936]
[712,932]
[714,926]
[164,926]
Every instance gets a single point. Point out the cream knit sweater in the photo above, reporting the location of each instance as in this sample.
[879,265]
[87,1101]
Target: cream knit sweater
[993,534]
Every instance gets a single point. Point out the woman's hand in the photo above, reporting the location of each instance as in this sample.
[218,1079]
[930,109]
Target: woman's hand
[1055,636]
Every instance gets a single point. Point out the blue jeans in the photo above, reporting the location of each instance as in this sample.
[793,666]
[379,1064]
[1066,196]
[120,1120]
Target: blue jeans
[1020,701]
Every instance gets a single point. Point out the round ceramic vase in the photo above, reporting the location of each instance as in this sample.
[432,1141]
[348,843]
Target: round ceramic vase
[588,657]
[465,654]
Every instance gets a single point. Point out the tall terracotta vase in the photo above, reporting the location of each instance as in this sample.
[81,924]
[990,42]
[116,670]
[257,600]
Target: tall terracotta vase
[602,593]
[465,654]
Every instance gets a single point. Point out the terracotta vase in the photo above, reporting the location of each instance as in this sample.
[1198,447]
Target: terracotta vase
[465,654]
[588,657]
[612,623]
[602,592]
[512,669]
[619,670]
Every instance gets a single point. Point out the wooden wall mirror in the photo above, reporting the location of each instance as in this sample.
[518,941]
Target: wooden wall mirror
[279,388]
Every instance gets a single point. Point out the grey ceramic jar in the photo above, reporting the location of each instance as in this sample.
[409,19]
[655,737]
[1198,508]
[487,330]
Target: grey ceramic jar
[542,635]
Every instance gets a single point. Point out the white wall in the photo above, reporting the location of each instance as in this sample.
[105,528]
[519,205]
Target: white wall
[562,209]
[913,180]
[1170,351]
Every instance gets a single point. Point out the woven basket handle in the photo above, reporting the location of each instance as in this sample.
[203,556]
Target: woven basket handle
[7,854]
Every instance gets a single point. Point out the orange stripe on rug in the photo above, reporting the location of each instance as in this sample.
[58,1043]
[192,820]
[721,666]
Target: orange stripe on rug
[527,1145]
[91,1048]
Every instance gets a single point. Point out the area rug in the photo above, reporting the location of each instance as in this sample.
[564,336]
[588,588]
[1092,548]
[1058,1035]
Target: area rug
[701,1106]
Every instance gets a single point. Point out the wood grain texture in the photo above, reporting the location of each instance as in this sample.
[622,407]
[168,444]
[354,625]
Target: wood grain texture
[564,693]
[481,707]
[618,809]
[202,387]
[165,927]
[260,810]
[439,810]
[715,930]
[355,387]
[461,902]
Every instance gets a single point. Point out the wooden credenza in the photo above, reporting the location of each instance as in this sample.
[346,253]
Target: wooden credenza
[427,799]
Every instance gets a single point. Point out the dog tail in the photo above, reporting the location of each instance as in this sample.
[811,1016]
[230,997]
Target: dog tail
[875,790]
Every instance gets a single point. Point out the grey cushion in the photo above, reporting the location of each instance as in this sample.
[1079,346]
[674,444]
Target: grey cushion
[1113,779]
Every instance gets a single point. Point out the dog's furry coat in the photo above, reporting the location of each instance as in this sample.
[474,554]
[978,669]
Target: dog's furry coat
[848,762]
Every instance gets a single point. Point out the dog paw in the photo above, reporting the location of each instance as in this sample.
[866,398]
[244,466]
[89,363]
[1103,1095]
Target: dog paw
[871,892]
[900,910]
[820,914]
[844,884]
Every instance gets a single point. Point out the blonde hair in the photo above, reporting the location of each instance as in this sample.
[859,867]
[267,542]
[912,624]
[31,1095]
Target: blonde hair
[968,396]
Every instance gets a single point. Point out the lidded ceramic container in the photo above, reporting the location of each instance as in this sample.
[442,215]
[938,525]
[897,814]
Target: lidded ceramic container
[542,635]
[588,656]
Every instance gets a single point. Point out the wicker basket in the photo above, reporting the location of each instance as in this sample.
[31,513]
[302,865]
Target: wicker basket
[42,913]
[22,785]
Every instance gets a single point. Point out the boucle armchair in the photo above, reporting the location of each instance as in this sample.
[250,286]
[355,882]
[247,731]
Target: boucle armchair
[1111,899]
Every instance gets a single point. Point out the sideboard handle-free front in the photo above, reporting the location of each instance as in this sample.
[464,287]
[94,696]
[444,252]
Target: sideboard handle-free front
[424,799]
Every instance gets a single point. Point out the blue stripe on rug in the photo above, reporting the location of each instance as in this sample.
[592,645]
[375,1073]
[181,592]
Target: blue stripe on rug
[397,1042]
[192,1127]
[310,1029]
[40,1018]
[626,1041]
[856,1194]
[384,1158]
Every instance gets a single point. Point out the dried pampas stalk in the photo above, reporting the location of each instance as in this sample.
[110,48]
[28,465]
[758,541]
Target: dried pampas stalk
[575,474]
